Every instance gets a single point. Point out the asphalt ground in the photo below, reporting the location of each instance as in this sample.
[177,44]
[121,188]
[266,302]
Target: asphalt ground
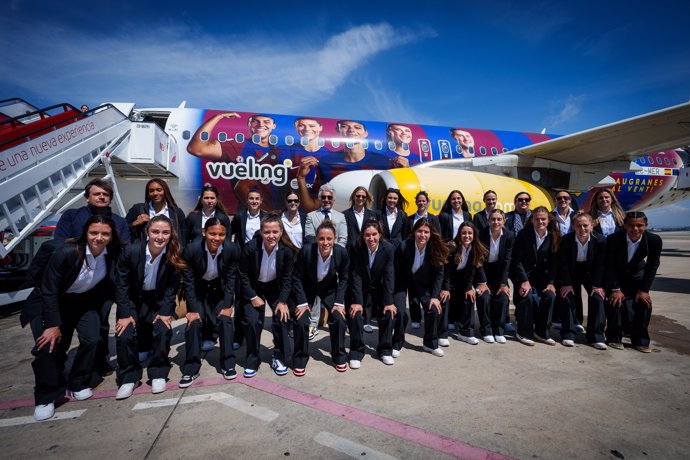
[483,401]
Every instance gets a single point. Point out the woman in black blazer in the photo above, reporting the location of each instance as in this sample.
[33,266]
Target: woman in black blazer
[534,275]
[499,241]
[607,213]
[360,200]
[393,218]
[266,277]
[373,283]
[453,213]
[148,279]
[208,206]
[72,289]
[322,270]
[464,267]
[293,219]
[581,262]
[157,201]
[209,288]
[423,258]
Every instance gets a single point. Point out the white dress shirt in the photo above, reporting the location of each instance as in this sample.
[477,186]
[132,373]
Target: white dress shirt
[494,246]
[564,224]
[418,258]
[458,219]
[211,264]
[252,226]
[322,266]
[540,239]
[293,231]
[204,217]
[267,272]
[93,270]
[151,269]
[632,247]
[372,256]
[582,250]
[417,217]
[359,216]
[607,222]
[464,256]
[163,212]
[391,216]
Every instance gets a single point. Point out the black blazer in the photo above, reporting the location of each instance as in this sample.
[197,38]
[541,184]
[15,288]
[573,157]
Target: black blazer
[401,226]
[462,280]
[510,221]
[595,263]
[639,273]
[139,232]
[433,219]
[238,227]
[332,288]
[250,265]
[193,224]
[505,252]
[480,220]
[62,270]
[353,229]
[197,263]
[530,264]
[446,221]
[427,282]
[376,282]
[130,285]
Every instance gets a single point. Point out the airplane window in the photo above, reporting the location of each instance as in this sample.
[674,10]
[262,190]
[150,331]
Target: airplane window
[458,149]
[650,160]
[406,146]
[273,139]
[320,142]
[239,137]
[667,161]
[658,160]
[204,136]
[425,147]
[641,161]
[365,145]
[256,138]
[675,162]
[482,150]
[391,145]
[186,134]
[471,149]
[349,144]
[223,137]
[335,144]
[505,150]
[494,151]
[304,141]
[289,140]
[378,145]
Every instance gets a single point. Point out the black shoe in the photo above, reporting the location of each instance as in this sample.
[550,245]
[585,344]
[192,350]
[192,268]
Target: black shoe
[104,369]
[187,380]
[229,374]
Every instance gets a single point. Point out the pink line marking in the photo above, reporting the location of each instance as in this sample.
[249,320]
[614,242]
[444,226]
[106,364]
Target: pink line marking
[401,430]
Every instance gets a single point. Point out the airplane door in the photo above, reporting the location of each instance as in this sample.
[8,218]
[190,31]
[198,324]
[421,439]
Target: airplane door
[424,150]
[444,148]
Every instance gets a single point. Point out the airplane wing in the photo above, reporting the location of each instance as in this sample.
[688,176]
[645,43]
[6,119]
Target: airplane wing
[658,131]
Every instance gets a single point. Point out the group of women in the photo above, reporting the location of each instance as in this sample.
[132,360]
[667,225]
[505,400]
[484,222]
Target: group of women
[440,265]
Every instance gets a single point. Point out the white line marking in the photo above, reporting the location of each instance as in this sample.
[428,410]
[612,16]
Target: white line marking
[349,448]
[30,419]
[234,402]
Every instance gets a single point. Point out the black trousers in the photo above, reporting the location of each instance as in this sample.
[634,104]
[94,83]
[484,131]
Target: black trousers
[253,324]
[464,311]
[639,324]
[129,368]
[300,334]
[50,382]
[499,303]
[415,311]
[222,325]
[571,306]
[533,312]
[432,323]
[239,316]
[355,325]
[102,351]
[400,321]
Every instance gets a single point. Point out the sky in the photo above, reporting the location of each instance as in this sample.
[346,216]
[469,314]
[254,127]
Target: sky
[496,64]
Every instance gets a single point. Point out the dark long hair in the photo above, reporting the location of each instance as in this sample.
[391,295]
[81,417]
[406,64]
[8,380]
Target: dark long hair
[438,251]
[200,204]
[552,226]
[402,202]
[173,253]
[113,246]
[478,250]
[448,208]
[166,192]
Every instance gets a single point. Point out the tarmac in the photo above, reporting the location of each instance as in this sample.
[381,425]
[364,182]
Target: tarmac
[488,401]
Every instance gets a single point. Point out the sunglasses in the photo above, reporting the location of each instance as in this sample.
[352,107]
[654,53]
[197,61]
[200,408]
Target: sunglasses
[524,200]
[563,198]
[361,197]
[326,198]
[292,201]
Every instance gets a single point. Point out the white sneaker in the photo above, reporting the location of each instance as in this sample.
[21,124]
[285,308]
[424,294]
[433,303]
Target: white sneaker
[444,342]
[395,353]
[466,339]
[388,360]
[548,341]
[416,325]
[499,339]
[368,328]
[488,339]
[125,391]
[143,356]
[158,386]
[524,340]
[568,343]
[355,364]
[208,345]
[437,352]
[44,412]
[81,395]
[600,346]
